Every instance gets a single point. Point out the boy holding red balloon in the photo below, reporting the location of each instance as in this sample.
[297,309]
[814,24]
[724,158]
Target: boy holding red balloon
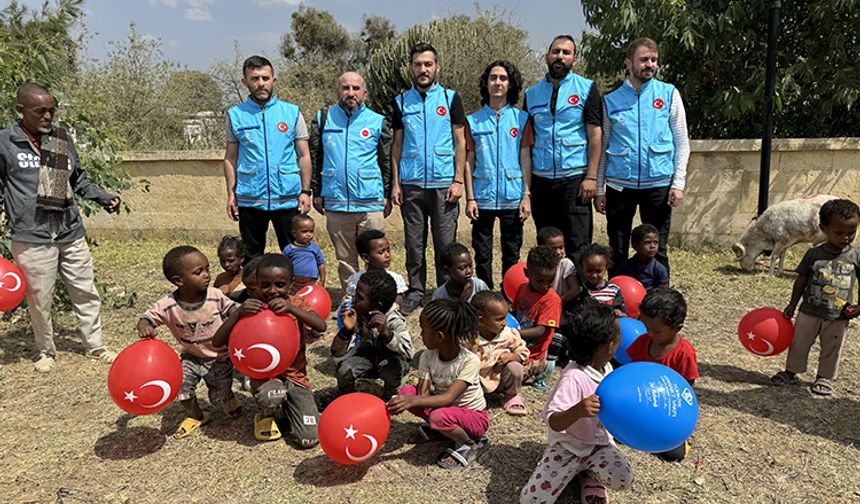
[826,277]
[288,396]
[663,312]
[193,313]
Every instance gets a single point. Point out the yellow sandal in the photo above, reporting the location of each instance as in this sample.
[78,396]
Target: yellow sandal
[189,425]
[232,408]
[265,428]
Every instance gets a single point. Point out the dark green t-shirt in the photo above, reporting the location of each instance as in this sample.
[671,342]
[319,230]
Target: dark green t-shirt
[832,280]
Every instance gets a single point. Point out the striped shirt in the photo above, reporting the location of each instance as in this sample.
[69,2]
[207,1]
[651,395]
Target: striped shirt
[678,125]
[608,294]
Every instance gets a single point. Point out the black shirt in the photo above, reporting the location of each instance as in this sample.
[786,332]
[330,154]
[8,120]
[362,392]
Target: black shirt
[593,107]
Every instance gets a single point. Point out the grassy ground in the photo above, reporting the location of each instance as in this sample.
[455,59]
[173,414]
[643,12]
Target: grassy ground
[63,440]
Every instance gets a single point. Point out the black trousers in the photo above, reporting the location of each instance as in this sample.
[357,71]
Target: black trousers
[557,203]
[254,224]
[654,209]
[511,230]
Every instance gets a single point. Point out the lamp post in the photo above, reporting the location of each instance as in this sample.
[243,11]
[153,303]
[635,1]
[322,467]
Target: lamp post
[769,85]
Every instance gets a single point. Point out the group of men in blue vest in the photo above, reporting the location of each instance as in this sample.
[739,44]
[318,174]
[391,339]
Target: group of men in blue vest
[625,151]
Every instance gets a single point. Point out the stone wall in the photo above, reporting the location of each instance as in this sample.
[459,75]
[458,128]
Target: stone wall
[187,194]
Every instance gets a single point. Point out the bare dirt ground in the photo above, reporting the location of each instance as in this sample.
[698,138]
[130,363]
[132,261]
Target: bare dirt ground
[63,440]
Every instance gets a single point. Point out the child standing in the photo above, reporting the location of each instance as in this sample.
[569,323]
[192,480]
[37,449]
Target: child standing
[457,261]
[375,250]
[384,350]
[578,442]
[826,277]
[448,395]
[231,254]
[644,266]
[538,309]
[306,256]
[594,263]
[193,313]
[287,397]
[502,351]
[663,312]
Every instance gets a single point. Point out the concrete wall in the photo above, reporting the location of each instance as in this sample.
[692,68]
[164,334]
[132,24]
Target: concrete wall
[187,195]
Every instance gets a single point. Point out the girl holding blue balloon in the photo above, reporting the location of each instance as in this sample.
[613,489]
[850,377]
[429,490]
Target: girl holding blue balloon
[579,446]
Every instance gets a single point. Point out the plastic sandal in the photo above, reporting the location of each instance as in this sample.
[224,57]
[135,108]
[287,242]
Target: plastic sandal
[265,428]
[591,491]
[461,457]
[232,408]
[515,406]
[189,425]
[782,379]
[821,387]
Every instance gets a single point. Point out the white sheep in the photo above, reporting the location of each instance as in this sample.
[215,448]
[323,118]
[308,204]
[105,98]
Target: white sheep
[778,228]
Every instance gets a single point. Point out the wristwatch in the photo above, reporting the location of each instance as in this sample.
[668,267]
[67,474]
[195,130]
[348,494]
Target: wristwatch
[307,191]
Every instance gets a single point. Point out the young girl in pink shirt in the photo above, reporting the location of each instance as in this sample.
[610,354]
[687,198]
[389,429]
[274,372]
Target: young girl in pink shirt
[579,446]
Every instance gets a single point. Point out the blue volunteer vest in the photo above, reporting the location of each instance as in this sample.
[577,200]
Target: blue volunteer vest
[427,158]
[641,152]
[561,141]
[267,175]
[351,178]
[497,178]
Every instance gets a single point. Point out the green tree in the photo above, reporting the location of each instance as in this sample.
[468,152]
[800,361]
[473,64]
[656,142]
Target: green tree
[715,52]
[465,44]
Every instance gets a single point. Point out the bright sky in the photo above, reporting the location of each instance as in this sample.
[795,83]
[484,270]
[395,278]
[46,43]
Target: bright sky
[196,32]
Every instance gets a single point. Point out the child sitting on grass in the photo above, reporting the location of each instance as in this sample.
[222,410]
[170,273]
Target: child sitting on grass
[663,312]
[375,250]
[578,444]
[448,395]
[594,263]
[826,278]
[457,261]
[193,313]
[538,308]
[566,285]
[644,266]
[502,351]
[287,397]
[384,349]
[231,255]
[306,256]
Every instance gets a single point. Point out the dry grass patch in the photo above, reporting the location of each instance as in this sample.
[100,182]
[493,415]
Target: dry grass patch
[63,440]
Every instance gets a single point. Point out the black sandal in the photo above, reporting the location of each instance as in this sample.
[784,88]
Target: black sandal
[784,378]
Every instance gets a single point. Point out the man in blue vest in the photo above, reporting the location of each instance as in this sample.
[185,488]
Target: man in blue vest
[350,145]
[267,164]
[645,152]
[566,113]
[428,161]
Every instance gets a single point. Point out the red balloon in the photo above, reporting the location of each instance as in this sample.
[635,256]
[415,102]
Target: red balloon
[13,285]
[317,297]
[354,427]
[633,292]
[514,278]
[765,331]
[145,377]
[264,345]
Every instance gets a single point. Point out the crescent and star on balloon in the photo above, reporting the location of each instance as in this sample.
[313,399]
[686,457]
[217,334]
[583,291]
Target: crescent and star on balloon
[374,444]
[752,337]
[165,393]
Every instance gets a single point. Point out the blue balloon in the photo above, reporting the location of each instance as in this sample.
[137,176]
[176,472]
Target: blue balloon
[512,322]
[648,406]
[631,329]
[348,304]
